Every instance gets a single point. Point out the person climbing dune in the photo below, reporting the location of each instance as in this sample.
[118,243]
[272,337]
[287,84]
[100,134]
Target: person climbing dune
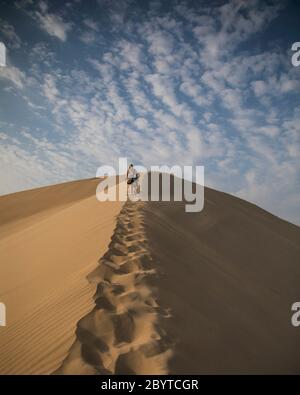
[132,174]
[133,181]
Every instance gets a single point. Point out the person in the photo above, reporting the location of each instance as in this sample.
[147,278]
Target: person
[132,174]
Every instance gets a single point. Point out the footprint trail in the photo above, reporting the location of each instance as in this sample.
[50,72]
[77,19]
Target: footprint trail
[123,333]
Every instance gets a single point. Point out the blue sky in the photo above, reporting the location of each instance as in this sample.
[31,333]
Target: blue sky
[161,82]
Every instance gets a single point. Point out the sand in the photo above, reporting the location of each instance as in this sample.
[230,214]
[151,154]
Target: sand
[230,275]
[120,335]
[50,239]
[157,291]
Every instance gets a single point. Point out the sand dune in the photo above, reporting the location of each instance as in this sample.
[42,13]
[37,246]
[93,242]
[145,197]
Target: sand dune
[182,293]
[50,239]
[172,292]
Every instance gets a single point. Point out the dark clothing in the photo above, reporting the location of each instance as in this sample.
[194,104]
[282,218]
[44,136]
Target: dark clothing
[131,180]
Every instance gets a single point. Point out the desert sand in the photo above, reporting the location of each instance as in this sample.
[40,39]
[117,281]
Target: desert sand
[229,276]
[172,292]
[50,239]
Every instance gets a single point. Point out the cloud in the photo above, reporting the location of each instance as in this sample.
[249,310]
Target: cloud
[141,123]
[164,89]
[8,31]
[232,98]
[181,84]
[51,23]
[22,168]
[91,24]
[49,88]
[13,74]
[274,85]
[260,88]
[221,29]
[88,37]
[161,44]
[271,131]
[131,56]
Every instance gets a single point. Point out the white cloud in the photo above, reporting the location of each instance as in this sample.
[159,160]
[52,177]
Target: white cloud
[106,70]
[88,37]
[287,84]
[232,99]
[141,123]
[131,55]
[271,131]
[49,88]
[160,43]
[13,74]
[193,89]
[23,169]
[53,24]
[164,89]
[260,88]
[91,24]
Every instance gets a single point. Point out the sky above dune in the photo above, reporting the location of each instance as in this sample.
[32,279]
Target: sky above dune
[159,82]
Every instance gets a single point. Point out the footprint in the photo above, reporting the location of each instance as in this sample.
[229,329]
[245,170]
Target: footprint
[122,367]
[124,328]
[87,337]
[103,303]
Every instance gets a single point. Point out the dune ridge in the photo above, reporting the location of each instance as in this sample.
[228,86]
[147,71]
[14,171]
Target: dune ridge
[21,209]
[123,333]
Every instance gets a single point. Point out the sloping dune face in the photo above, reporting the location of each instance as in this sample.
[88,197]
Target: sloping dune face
[229,276]
[50,239]
[193,293]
